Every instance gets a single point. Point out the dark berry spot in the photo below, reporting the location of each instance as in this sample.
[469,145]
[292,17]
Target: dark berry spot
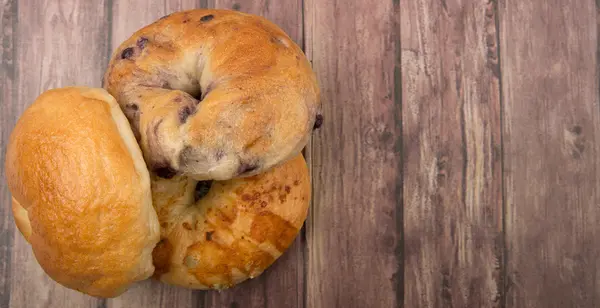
[186,18]
[209,236]
[177,99]
[207,18]
[246,168]
[236,6]
[202,189]
[219,155]
[184,113]
[318,121]
[165,172]
[141,42]
[127,53]
[133,107]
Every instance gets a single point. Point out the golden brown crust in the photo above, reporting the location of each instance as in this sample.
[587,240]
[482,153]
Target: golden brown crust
[21,219]
[234,232]
[258,95]
[81,193]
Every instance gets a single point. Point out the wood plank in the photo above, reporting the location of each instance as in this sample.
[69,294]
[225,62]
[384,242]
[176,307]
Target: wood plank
[149,292]
[282,284]
[452,167]
[124,24]
[354,247]
[9,110]
[287,14]
[551,132]
[60,43]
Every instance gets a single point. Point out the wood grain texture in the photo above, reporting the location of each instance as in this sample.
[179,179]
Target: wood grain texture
[130,16]
[551,127]
[452,163]
[287,14]
[458,164]
[60,43]
[352,231]
[149,293]
[9,109]
[282,284]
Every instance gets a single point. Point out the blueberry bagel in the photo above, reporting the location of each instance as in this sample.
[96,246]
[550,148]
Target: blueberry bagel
[216,234]
[214,94]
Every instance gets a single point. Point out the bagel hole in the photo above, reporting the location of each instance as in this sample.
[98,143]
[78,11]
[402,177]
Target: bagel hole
[202,189]
[197,96]
[193,88]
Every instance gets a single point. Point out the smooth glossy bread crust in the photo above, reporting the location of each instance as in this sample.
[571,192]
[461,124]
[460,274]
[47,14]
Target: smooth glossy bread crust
[81,192]
[214,94]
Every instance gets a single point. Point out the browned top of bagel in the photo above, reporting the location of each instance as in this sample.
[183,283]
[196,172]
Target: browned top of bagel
[214,94]
[81,192]
[216,236]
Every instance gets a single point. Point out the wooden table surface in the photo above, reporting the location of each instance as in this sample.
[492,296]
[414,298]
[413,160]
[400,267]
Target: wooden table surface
[458,164]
